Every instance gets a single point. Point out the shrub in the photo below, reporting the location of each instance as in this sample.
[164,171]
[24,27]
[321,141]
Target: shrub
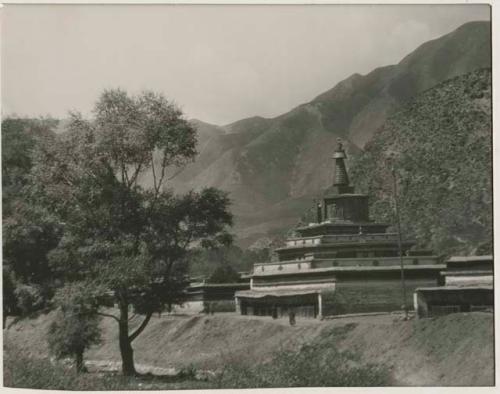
[224,273]
[29,298]
[75,326]
[23,371]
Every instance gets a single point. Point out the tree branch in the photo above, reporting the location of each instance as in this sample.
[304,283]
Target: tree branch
[154,173]
[182,168]
[108,315]
[136,174]
[163,168]
[141,328]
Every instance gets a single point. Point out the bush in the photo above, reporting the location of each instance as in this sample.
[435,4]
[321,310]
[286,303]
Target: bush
[22,371]
[224,273]
[75,326]
[29,298]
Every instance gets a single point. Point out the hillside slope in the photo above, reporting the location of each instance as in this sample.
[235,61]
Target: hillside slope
[451,350]
[442,142]
[274,167]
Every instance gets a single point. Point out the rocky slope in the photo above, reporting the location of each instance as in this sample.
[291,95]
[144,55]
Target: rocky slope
[274,167]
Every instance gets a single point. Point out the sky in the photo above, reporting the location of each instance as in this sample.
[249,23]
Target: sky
[219,63]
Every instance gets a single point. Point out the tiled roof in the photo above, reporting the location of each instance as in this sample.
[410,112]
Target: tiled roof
[341,223]
[467,273]
[276,293]
[451,288]
[470,259]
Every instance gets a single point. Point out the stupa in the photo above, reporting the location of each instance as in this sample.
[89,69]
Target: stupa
[342,263]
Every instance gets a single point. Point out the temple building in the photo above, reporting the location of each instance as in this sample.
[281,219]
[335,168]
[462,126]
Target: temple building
[342,263]
[467,286]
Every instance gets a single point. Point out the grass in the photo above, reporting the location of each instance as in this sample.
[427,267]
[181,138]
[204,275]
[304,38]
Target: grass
[433,352]
[22,371]
[318,364]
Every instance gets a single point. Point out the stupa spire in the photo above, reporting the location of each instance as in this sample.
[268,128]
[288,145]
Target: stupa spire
[341,178]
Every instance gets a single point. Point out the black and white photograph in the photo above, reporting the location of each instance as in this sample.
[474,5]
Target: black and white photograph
[247,196]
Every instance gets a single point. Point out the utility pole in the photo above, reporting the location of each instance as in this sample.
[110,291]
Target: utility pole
[400,242]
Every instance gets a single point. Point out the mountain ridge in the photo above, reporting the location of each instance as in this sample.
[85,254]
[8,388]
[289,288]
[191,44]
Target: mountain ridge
[274,167]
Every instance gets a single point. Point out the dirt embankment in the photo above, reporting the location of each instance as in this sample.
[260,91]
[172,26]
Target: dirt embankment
[453,350]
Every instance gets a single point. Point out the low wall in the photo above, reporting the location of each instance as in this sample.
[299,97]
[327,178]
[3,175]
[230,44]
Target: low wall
[440,301]
[219,306]
[359,296]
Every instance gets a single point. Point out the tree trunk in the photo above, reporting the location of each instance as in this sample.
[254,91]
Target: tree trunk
[80,366]
[126,351]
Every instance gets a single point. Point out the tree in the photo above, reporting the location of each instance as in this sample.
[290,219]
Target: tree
[8,292]
[204,262]
[75,326]
[19,137]
[224,273]
[29,232]
[118,234]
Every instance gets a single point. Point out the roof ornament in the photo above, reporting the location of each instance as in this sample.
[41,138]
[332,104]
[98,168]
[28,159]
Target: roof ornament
[339,152]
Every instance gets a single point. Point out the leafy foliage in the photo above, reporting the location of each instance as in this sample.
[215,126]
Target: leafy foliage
[29,232]
[76,325]
[19,137]
[29,298]
[442,154]
[204,262]
[224,273]
[117,235]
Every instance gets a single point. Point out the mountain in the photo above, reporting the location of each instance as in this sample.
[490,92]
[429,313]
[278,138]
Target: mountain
[441,143]
[273,168]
